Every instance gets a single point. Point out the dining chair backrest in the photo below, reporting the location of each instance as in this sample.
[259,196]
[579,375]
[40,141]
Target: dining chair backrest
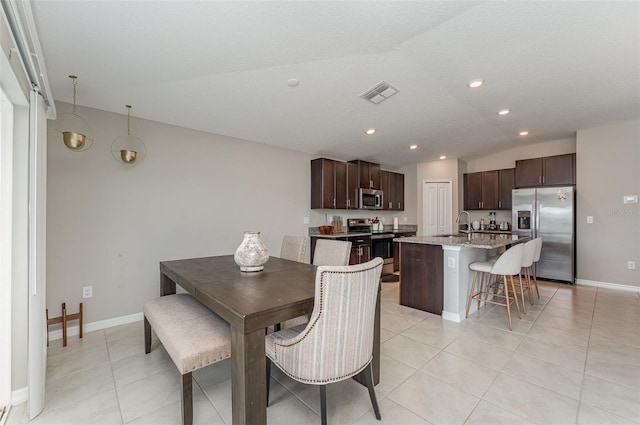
[538,250]
[510,262]
[293,248]
[331,253]
[528,253]
[337,343]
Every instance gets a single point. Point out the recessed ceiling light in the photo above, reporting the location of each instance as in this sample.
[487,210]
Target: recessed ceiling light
[443,157]
[413,147]
[504,111]
[370,131]
[523,133]
[475,83]
[293,82]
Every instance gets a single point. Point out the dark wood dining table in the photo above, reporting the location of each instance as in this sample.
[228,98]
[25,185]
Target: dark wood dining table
[250,302]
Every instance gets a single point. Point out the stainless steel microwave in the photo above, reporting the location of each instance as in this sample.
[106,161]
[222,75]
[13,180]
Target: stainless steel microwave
[370,199]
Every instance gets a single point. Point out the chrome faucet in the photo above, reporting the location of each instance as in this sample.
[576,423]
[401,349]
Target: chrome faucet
[468,220]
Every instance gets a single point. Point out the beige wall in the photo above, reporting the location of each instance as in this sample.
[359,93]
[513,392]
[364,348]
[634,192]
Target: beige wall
[110,224]
[507,158]
[608,164]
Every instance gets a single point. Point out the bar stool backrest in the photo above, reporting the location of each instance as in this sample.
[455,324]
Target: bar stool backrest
[536,255]
[510,262]
[529,253]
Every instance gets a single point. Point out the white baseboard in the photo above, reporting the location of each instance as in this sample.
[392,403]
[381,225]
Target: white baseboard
[607,285]
[447,315]
[95,326]
[19,396]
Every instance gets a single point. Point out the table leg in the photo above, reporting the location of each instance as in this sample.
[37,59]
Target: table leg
[248,383]
[167,286]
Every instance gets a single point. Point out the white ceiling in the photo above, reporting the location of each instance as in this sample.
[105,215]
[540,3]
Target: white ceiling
[222,67]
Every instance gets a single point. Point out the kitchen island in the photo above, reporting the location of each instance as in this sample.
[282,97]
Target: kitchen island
[434,270]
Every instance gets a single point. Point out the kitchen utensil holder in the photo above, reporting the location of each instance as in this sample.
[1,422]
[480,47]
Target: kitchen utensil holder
[64,319]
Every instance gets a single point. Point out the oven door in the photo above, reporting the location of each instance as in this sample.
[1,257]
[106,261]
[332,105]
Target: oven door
[382,247]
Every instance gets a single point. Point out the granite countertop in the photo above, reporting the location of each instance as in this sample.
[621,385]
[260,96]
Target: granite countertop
[406,228]
[478,240]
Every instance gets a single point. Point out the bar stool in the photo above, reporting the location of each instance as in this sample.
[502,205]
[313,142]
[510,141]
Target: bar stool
[527,262]
[536,258]
[508,265]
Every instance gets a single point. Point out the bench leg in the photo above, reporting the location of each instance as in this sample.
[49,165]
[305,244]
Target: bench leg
[187,399]
[147,336]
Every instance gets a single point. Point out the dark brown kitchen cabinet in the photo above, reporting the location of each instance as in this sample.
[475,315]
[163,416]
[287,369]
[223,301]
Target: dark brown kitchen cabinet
[422,277]
[397,194]
[352,186]
[368,174]
[487,190]
[559,170]
[481,190]
[392,185]
[506,183]
[385,180]
[330,184]
[360,248]
[546,171]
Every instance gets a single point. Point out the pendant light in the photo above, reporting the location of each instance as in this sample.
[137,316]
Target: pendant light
[76,133]
[128,149]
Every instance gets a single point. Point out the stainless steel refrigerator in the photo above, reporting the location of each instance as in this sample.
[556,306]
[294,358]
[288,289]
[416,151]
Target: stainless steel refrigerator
[548,213]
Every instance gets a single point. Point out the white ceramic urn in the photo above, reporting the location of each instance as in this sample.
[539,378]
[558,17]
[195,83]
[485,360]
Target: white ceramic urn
[251,255]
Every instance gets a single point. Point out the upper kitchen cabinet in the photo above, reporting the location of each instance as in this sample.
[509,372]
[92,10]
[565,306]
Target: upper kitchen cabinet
[481,190]
[352,185]
[368,174]
[333,184]
[392,185]
[506,183]
[546,171]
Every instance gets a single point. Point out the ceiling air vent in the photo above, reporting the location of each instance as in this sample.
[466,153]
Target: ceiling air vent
[379,92]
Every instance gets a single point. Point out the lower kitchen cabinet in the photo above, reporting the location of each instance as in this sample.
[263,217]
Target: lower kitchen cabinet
[422,277]
[360,248]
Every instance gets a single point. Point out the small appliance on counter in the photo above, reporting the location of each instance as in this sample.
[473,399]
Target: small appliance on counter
[492,221]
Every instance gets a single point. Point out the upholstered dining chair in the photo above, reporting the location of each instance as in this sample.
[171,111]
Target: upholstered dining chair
[337,343]
[293,248]
[331,253]
[536,258]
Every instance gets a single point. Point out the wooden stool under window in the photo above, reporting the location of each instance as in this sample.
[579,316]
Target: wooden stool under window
[508,265]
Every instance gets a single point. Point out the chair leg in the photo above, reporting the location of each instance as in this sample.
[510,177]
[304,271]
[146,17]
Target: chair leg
[368,374]
[535,281]
[480,290]
[473,287]
[524,306]
[268,367]
[323,404]
[506,299]
[515,295]
[147,336]
[529,271]
[187,399]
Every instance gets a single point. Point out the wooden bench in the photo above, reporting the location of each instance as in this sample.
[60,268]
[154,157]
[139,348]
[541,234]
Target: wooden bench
[193,336]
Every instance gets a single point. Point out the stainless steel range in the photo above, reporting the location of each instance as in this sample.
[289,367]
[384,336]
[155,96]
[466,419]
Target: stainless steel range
[381,241]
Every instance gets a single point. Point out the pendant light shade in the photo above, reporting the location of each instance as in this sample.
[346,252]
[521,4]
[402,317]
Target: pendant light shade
[128,149]
[76,132]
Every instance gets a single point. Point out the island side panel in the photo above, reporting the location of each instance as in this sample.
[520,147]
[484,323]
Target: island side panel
[421,277]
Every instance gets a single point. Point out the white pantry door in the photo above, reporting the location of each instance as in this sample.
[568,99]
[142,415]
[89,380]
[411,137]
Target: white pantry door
[436,207]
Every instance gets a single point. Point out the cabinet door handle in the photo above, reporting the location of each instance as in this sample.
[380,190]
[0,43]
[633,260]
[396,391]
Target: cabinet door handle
[334,202]
[542,179]
[398,205]
[499,204]
[539,179]
[348,203]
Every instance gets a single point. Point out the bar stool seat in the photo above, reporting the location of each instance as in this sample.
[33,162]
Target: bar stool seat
[508,265]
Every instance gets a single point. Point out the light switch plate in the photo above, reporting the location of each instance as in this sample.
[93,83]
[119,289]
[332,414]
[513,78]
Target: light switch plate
[305,220]
[589,219]
[630,199]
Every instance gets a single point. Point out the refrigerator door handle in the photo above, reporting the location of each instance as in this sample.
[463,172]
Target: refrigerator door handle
[536,229]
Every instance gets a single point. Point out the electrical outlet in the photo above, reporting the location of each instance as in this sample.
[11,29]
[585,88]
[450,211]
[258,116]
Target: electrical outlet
[631,265]
[404,219]
[305,220]
[87,291]
[589,219]
[451,262]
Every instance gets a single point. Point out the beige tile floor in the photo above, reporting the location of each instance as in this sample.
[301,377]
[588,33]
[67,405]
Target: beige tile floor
[574,358]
